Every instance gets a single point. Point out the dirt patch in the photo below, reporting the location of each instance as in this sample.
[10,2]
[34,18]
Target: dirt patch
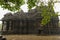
[31,37]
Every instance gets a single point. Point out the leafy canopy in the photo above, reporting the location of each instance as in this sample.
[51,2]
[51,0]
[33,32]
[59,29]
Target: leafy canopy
[47,10]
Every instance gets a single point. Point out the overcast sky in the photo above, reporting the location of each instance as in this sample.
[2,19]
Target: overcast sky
[24,7]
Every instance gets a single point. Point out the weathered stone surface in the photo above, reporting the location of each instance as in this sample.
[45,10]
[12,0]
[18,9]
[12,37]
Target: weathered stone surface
[29,23]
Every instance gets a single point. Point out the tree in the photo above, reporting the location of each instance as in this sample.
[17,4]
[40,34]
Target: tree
[47,10]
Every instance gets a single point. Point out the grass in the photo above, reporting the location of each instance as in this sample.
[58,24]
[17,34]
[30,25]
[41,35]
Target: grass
[31,37]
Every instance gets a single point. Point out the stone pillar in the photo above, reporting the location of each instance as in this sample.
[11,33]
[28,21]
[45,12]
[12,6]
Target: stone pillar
[7,25]
[2,25]
[27,26]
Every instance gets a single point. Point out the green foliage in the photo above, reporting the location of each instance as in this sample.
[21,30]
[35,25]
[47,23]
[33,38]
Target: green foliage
[31,3]
[47,11]
[6,4]
[46,14]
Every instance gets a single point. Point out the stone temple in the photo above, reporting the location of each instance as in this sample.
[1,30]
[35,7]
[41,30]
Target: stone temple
[28,23]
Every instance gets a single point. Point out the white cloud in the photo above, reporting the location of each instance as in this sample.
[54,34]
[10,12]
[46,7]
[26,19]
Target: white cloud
[57,7]
[24,8]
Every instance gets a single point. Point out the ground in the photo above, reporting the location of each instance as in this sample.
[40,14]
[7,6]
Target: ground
[31,37]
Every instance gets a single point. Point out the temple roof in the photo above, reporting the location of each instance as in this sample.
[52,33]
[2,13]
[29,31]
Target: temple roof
[30,15]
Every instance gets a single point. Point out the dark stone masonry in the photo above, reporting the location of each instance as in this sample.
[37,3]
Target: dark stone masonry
[28,23]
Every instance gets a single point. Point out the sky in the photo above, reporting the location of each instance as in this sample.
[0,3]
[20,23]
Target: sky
[24,7]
